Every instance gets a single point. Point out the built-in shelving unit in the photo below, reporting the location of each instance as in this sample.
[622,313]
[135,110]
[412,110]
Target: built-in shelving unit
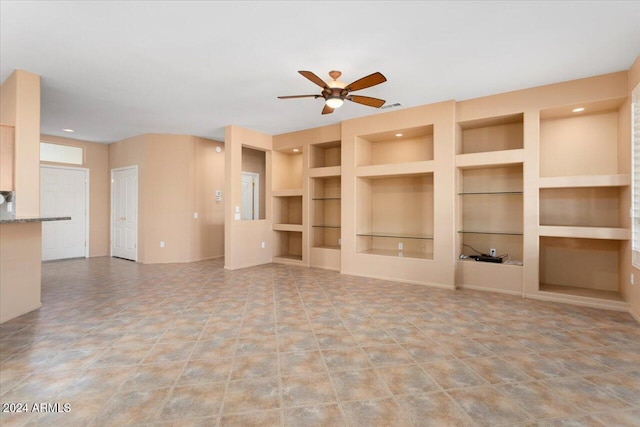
[583,226]
[287,205]
[489,161]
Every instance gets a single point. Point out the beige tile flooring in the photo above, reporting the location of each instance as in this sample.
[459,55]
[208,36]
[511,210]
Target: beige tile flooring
[195,345]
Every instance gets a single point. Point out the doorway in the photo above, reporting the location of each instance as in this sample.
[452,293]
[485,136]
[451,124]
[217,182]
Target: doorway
[64,191]
[250,196]
[124,213]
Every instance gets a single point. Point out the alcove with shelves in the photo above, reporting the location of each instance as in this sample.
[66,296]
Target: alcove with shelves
[395,216]
[287,205]
[491,206]
[492,134]
[398,146]
[325,155]
[326,211]
[583,189]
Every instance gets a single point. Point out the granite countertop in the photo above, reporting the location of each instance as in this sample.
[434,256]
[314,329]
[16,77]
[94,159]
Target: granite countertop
[30,219]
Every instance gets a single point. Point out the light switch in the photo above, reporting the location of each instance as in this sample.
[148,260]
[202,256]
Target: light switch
[237,217]
[238,210]
[195,215]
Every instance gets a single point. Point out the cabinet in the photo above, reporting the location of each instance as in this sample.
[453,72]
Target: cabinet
[6,157]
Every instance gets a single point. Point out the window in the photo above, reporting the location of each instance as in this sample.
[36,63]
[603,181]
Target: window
[635,210]
[58,153]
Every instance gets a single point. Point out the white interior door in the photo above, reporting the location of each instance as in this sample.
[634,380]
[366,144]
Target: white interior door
[124,213]
[250,195]
[63,192]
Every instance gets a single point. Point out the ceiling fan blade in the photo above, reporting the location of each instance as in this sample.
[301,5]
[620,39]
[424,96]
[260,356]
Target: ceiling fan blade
[365,82]
[327,110]
[315,79]
[298,96]
[367,100]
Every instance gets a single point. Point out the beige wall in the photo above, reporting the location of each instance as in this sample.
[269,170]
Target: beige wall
[96,159]
[207,235]
[177,177]
[243,238]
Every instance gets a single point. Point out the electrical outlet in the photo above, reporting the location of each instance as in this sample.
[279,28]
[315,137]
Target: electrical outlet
[162,243]
[195,215]
[492,252]
[263,245]
[400,246]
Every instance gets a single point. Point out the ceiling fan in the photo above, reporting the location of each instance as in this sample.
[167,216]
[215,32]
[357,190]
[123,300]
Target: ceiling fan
[335,92]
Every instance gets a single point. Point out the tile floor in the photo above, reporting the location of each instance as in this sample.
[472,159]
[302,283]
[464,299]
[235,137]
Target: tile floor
[195,345]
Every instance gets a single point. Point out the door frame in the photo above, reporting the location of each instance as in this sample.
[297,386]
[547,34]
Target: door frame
[135,167]
[87,182]
[256,194]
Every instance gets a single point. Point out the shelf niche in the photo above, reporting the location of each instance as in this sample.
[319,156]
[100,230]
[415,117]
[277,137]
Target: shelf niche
[287,210]
[580,207]
[392,211]
[286,170]
[326,212]
[582,267]
[288,245]
[414,145]
[492,134]
[589,138]
[325,155]
[492,210]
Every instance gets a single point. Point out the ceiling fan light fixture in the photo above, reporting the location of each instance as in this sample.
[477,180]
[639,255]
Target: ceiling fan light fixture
[334,102]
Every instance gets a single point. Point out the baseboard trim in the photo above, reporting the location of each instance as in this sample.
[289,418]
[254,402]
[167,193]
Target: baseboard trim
[483,289]
[581,301]
[395,279]
[20,313]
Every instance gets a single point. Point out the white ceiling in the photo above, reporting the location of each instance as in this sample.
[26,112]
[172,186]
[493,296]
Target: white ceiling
[111,70]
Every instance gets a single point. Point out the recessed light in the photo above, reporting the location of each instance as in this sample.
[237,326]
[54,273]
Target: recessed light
[68,130]
[295,150]
[398,135]
[579,109]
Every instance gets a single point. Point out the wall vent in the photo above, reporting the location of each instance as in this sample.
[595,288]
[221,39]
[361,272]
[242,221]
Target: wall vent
[397,104]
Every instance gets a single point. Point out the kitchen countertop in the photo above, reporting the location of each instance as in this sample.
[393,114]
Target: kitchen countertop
[31,219]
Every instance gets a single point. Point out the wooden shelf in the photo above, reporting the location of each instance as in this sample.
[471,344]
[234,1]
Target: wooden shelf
[499,233]
[288,259]
[287,227]
[582,292]
[396,169]
[608,233]
[331,247]
[491,158]
[325,172]
[618,180]
[287,193]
